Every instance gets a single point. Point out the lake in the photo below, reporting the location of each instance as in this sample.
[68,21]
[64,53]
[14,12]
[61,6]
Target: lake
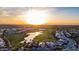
[31,36]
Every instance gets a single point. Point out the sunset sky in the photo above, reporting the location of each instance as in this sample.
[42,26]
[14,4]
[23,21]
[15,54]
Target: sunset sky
[55,15]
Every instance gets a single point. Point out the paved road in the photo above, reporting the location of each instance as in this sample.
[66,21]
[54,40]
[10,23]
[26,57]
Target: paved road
[64,39]
[63,35]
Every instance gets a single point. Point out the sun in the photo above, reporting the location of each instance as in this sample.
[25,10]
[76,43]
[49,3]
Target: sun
[36,17]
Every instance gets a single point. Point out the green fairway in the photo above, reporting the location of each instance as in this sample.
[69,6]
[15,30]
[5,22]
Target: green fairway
[47,35]
[15,39]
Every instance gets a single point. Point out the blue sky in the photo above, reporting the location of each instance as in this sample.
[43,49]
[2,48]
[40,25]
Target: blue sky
[69,10]
[61,15]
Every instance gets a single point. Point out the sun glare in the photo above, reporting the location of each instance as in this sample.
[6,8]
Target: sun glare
[36,17]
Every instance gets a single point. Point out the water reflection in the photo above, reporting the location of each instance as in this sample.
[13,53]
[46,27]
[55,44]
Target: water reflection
[31,36]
